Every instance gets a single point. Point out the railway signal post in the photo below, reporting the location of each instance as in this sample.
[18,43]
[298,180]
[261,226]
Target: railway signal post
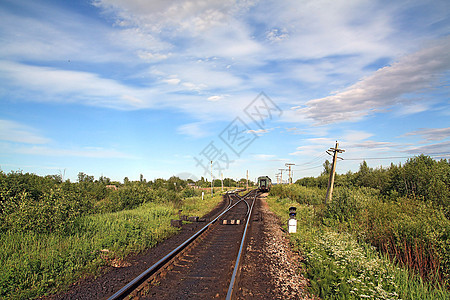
[292,222]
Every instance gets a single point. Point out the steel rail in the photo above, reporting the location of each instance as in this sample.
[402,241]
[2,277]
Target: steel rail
[132,285]
[241,248]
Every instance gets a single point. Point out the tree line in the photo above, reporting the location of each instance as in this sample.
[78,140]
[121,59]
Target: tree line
[420,177]
[44,204]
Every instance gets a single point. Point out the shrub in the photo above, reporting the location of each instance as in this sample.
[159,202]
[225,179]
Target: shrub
[298,193]
[412,233]
[55,211]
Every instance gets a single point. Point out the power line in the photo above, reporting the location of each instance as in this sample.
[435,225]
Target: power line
[309,168]
[392,157]
[320,157]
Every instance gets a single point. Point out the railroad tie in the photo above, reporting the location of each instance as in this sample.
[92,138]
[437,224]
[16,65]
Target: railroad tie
[231,222]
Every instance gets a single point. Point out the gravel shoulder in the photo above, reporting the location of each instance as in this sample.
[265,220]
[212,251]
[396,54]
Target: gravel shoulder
[270,268]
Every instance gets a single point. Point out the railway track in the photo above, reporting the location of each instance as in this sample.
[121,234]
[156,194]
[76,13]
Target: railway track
[206,265]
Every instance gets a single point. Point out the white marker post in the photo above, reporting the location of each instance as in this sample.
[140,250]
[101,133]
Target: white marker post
[292,223]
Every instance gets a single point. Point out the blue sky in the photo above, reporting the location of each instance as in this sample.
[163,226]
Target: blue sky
[128,87]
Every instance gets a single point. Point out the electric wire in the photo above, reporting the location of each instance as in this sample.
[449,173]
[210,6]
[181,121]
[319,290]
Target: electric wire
[394,157]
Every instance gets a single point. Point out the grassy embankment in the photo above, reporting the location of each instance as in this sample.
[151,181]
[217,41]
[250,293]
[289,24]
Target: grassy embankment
[364,246]
[34,264]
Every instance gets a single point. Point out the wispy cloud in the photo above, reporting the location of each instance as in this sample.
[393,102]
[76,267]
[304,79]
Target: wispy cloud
[295,130]
[87,152]
[431,149]
[12,131]
[384,88]
[259,132]
[431,134]
[51,84]
[194,130]
[374,145]
[354,141]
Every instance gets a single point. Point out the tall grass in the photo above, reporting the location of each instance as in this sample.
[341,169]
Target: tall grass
[411,232]
[34,264]
[339,266]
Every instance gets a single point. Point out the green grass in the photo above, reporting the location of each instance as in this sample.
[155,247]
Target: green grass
[34,264]
[340,267]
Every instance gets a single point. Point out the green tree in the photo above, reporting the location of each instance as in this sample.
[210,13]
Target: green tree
[85,178]
[326,168]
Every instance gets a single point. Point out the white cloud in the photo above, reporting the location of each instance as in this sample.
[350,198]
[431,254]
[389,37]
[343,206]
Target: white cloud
[185,16]
[436,148]
[215,98]
[277,35]
[201,75]
[258,131]
[373,145]
[431,134]
[87,152]
[354,141]
[148,56]
[261,132]
[15,132]
[173,81]
[53,84]
[82,152]
[194,130]
[26,36]
[384,88]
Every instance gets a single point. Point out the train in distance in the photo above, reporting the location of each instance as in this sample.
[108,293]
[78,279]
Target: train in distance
[264,183]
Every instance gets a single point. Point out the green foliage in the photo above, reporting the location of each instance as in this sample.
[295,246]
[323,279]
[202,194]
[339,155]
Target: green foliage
[341,266]
[36,263]
[421,178]
[412,232]
[298,193]
[53,232]
[348,203]
[190,192]
[46,204]
[128,197]
[54,211]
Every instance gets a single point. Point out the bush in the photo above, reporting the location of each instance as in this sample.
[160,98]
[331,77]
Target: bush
[413,234]
[55,211]
[339,266]
[298,193]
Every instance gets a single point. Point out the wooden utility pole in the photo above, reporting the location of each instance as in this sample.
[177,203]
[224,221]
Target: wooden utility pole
[247,179]
[289,166]
[212,188]
[335,151]
[281,176]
